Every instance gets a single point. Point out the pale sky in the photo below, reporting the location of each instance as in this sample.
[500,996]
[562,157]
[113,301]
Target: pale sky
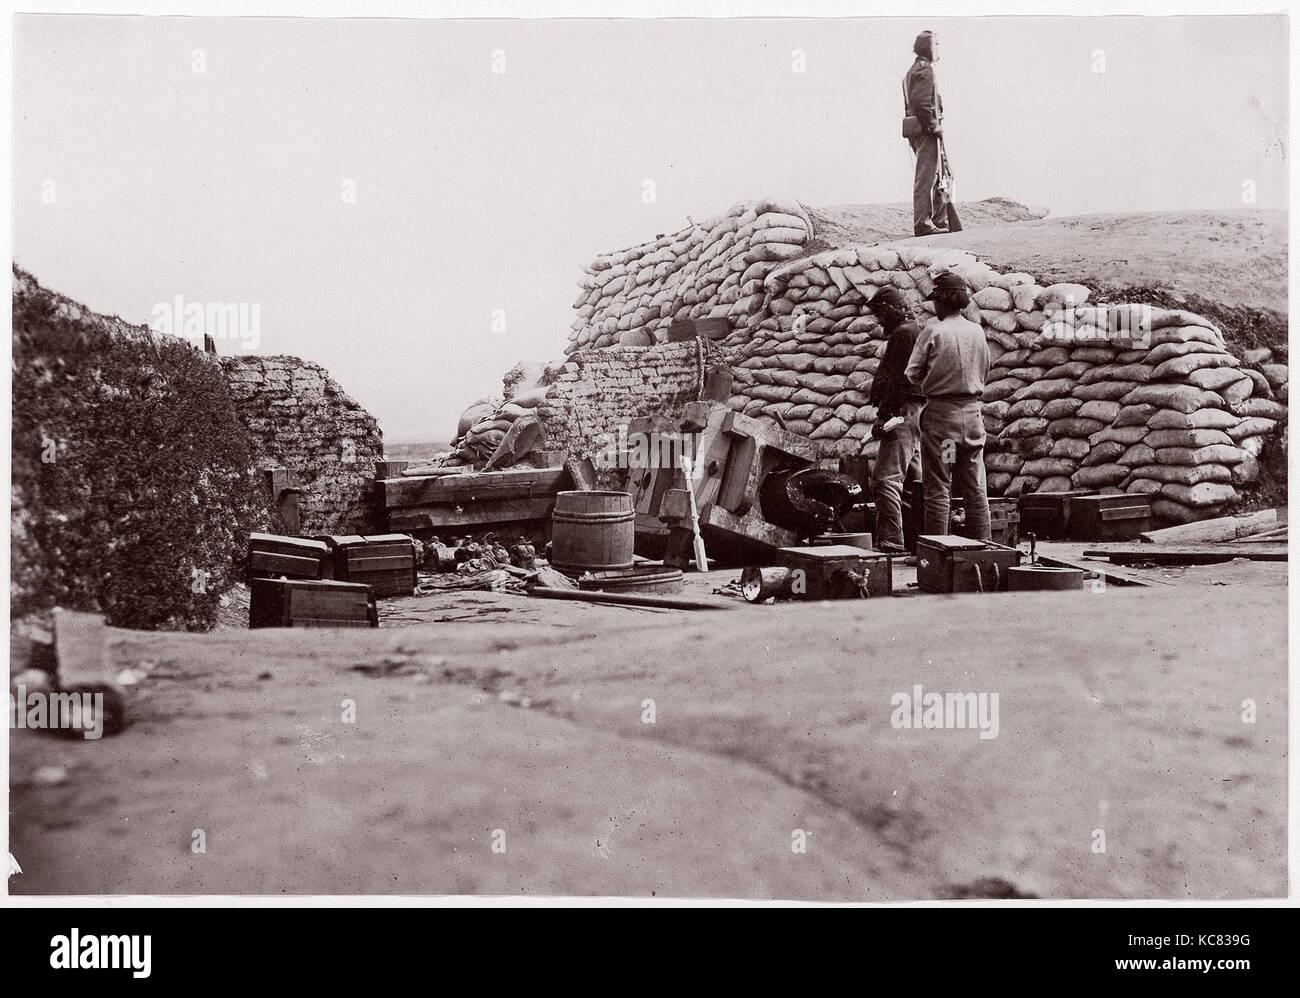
[478,191]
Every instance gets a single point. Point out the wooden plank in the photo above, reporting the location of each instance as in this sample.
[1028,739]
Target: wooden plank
[1187,554]
[327,622]
[736,491]
[289,545]
[1268,536]
[1113,574]
[380,563]
[491,511]
[1222,528]
[275,563]
[623,599]
[429,471]
[770,434]
[402,493]
[742,530]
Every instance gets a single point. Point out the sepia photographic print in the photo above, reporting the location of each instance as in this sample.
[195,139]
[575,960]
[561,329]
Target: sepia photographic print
[679,458]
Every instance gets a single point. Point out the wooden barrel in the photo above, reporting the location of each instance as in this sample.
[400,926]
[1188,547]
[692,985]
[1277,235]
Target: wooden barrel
[592,532]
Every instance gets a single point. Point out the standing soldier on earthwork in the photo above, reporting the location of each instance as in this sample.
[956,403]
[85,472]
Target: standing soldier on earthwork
[923,128]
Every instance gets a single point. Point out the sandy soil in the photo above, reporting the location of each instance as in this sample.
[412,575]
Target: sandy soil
[1228,265]
[1119,711]
[1229,257]
[846,224]
[1232,258]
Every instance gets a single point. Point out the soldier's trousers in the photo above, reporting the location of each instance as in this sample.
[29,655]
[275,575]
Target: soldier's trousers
[952,450]
[928,206]
[899,451]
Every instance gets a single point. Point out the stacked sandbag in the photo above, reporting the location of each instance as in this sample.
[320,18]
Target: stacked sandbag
[714,269]
[505,427]
[1117,397]
[1125,398]
[814,349]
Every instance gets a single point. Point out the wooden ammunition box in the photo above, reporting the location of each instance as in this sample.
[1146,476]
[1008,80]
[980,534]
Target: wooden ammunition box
[303,603]
[946,563]
[384,562]
[1109,518]
[271,556]
[1046,515]
[839,571]
[1004,521]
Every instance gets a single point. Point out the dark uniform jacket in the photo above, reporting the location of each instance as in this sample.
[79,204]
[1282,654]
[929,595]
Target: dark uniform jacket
[890,388]
[921,97]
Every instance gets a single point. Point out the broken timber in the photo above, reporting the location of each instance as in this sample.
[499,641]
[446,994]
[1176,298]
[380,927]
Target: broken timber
[1187,554]
[1113,574]
[733,454]
[624,599]
[469,498]
[1221,528]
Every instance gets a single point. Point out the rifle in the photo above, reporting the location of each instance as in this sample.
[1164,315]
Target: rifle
[945,188]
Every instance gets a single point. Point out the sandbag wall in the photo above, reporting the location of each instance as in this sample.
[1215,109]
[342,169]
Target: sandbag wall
[714,269]
[1115,397]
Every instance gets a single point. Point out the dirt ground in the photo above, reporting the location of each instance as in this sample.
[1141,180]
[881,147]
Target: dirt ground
[849,224]
[1229,259]
[1120,724]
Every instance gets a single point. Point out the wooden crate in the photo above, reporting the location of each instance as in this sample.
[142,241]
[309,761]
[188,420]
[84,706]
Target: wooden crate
[946,563]
[1004,517]
[1109,518]
[1046,515]
[271,556]
[385,562]
[1004,521]
[304,603]
[827,569]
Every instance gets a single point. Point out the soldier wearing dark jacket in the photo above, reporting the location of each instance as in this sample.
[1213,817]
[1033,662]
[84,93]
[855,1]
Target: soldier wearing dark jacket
[922,101]
[895,399]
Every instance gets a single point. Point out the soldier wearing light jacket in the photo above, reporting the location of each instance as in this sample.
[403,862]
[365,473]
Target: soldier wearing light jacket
[921,100]
[949,365]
